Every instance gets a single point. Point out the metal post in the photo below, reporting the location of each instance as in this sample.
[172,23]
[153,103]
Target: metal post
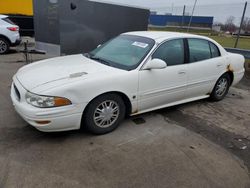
[242,19]
[183,16]
[191,16]
[26,52]
[172,8]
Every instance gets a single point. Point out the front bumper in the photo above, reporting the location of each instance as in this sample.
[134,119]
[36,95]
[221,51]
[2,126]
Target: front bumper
[59,118]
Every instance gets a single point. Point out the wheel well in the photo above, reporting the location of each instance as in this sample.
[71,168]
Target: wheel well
[6,38]
[126,101]
[124,97]
[231,75]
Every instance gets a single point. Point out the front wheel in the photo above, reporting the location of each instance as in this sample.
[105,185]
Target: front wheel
[221,88]
[104,114]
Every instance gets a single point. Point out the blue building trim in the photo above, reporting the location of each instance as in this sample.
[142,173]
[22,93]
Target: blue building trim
[163,20]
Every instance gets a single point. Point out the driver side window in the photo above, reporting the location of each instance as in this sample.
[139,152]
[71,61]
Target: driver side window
[172,52]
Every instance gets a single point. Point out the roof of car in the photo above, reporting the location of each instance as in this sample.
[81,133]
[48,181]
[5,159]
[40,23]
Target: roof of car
[162,35]
[3,16]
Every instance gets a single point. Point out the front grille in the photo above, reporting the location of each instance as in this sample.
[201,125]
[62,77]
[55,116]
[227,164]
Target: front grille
[17,93]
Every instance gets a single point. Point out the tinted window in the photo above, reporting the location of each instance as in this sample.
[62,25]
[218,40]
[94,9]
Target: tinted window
[172,52]
[198,50]
[8,21]
[214,50]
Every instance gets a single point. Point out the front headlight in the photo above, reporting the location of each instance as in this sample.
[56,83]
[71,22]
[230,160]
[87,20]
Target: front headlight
[46,101]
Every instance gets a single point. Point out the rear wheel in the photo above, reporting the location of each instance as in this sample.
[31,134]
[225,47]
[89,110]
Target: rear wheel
[104,114]
[4,46]
[221,88]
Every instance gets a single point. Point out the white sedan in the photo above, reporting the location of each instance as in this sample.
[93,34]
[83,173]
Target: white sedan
[133,73]
[9,34]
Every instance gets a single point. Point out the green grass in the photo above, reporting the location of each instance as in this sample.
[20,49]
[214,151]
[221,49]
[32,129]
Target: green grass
[243,43]
[225,41]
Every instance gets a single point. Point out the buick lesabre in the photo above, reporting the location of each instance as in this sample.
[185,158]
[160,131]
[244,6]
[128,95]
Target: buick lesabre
[133,73]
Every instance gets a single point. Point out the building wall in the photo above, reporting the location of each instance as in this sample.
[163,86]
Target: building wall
[164,20]
[23,7]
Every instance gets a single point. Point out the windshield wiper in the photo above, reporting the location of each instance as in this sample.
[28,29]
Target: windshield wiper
[100,60]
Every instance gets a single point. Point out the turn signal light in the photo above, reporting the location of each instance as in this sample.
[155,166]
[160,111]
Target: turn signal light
[43,122]
[61,101]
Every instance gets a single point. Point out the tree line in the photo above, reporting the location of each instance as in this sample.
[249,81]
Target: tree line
[230,26]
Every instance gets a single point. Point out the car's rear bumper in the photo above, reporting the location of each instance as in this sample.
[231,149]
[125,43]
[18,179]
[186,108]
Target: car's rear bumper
[14,38]
[17,42]
[238,76]
[58,119]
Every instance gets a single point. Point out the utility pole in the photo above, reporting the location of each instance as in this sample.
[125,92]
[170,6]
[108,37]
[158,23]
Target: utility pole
[172,8]
[190,21]
[183,16]
[241,23]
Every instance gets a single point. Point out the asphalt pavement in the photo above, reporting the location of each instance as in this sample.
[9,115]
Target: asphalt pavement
[157,149]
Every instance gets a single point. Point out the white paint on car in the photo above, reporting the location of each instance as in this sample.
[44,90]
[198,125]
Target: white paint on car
[146,89]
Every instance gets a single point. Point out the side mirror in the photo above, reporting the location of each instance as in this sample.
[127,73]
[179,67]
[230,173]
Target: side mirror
[155,64]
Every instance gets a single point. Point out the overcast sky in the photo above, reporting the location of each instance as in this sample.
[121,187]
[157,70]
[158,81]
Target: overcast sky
[159,3]
[219,9]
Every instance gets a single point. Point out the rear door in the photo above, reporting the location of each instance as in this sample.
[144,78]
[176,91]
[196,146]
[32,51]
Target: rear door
[204,67]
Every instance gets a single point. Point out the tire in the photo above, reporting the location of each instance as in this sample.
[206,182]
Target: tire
[4,46]
[104,114]
[221,88]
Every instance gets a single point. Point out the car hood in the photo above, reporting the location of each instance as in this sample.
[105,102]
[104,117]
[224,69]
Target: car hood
[60,68]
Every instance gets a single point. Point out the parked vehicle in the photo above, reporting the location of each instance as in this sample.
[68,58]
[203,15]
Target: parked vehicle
[133,73]
[9,34]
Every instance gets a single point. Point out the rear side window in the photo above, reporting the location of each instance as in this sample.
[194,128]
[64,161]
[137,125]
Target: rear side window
[214,50]
[198,50]
[172,52]
[8,21]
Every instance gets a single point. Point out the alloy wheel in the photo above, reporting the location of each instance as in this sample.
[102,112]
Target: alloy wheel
[3,46]
[106,114]
[221,87]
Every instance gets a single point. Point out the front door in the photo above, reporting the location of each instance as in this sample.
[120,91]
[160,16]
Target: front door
[159,87]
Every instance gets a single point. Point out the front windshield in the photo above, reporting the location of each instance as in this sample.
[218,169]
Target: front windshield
[124,52]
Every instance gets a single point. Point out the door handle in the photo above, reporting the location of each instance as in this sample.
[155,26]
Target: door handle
[182,72]
[219,65]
